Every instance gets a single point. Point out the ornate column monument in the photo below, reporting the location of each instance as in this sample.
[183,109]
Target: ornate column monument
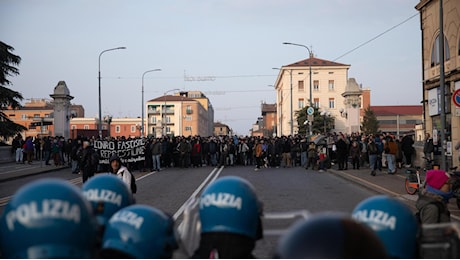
[352,106]
[61,101]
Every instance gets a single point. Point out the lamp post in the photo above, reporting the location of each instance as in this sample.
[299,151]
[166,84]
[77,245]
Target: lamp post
[164,110]
[99,79]
[142,120]
[309,63]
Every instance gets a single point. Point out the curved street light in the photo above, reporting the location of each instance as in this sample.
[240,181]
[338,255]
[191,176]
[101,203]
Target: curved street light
[99,79]
[311,55]
[142,121]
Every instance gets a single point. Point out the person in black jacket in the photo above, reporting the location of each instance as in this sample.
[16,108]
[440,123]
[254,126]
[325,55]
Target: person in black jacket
[341,153]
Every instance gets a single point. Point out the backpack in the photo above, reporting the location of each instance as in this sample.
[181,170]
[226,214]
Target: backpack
[440,207]
[133,183]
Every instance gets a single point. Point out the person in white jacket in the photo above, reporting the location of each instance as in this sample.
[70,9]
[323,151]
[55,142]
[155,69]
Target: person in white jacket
[121,171]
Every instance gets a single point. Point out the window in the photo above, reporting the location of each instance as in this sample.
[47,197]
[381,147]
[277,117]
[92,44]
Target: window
[188,118]
[435,59]
[301,103]
[47,115]
[331,103]
[316,102]
[168,129]
[331,85]
[23,116]
[188,128]
[86,127]
[117,129]
[133,129]
[168,119]
[301,86]
[73,127]
[36,115]
[154,120]
[315,85]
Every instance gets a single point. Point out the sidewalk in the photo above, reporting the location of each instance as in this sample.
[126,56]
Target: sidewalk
[392,185]
[11,170]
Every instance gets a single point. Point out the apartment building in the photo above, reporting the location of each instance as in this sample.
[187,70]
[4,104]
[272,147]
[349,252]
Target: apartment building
[184,113]
[328,82]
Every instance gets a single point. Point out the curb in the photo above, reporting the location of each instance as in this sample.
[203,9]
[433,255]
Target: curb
[32,174]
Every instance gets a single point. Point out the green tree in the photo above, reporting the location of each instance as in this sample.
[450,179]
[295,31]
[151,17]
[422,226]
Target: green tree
[318,124]
[8,98]
[370,123]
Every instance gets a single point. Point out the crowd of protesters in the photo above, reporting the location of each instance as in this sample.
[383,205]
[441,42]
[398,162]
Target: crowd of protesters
[343,150]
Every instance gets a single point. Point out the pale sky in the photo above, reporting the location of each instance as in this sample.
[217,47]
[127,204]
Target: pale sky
[237,42]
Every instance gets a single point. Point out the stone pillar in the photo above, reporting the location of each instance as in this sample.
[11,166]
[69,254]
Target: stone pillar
[352,106]
[61,102]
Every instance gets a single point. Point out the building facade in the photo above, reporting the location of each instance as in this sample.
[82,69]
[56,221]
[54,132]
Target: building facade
[432,58]
[37,114]
[399,120]
[221,129]
[180,114]
[328,82]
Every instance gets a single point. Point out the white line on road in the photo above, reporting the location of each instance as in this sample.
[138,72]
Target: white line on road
[215,171]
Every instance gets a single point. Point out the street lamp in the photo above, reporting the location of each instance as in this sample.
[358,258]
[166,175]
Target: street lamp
[309,63]
[164,110]
[290,77]
[142,121]
[99,78]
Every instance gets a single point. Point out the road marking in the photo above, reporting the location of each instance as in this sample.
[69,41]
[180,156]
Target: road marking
[215,173]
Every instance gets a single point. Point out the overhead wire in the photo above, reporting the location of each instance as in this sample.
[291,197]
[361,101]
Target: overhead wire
[376,37]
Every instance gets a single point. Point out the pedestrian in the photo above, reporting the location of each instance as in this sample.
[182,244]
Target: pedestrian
[286,152]
[18,142]
[373,154]
[122,172]
[29,149]
[311,156]
[89,161]
[156,150]
[432,201]
[355,154]
[303,152]
[74,155]
[258,153]
[399,157]
[341,153]
[407,148]
[56,152]
[391,148]
[196,153]
[428,148]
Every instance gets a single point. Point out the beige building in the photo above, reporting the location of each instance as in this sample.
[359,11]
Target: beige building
[328,82]
[431,60]
[221,129]
[185,113]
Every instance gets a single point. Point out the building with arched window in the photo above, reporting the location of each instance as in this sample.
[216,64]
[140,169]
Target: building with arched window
[431,63]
